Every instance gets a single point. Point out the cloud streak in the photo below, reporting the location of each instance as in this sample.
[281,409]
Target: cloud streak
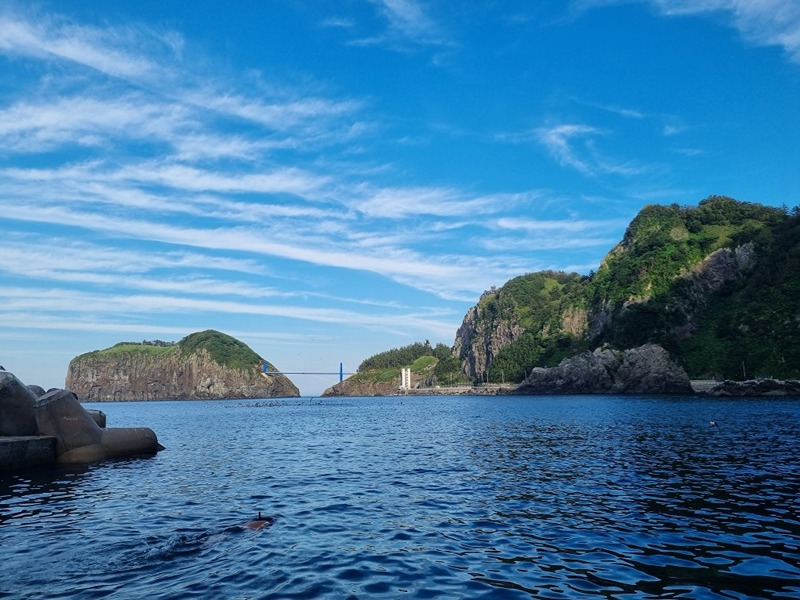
[760,22]
[106,50]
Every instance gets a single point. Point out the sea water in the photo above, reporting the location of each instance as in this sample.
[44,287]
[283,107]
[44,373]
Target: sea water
[421,497]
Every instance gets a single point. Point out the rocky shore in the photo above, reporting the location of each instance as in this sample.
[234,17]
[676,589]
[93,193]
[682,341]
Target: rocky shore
[756,387]
[648,369]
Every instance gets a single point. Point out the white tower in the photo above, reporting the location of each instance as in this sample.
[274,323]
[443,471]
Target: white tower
[405,379]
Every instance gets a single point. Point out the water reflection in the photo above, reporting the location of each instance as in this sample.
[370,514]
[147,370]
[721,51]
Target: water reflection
[35,494]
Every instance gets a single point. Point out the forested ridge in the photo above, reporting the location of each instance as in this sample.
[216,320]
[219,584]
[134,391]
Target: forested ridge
[386,365]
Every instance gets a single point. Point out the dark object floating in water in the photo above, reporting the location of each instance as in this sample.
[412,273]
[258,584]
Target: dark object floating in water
[259,522]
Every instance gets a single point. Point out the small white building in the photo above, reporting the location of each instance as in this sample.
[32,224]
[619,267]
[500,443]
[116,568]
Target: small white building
[405,378]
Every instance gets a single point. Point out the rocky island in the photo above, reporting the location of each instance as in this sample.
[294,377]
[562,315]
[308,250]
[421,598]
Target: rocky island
[206,365]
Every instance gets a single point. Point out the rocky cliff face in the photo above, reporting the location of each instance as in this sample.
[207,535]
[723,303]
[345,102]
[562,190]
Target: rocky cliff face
[648,369]
[691,291]
[478,340]
[717,269]
[173,374]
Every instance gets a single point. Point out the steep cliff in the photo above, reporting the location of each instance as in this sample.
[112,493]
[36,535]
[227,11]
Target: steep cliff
[203,365]
[716,285]
[479,339]
[528,314]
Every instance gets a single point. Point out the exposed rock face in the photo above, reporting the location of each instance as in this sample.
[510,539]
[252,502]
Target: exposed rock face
[575,321]
[476,344]
[479,340]
[109,376]
[758,387]
[718,268]
[708,276]
[723,265]
[648,369]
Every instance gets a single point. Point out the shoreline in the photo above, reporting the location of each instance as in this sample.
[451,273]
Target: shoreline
[700,387]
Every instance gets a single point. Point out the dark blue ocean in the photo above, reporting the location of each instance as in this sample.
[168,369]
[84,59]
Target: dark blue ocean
[421,497]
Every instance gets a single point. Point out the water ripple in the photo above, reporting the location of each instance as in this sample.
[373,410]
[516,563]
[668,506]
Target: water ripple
[422,498]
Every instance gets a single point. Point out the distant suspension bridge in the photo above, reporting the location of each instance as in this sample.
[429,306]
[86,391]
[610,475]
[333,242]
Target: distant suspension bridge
[341,373]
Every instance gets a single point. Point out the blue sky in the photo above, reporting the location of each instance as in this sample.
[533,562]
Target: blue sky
[327,180]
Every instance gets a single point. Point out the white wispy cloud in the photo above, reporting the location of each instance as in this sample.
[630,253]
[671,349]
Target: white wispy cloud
[107,50]
[437,275]
[337,23]
[556,241]
[415,201]
[574,145]
[173,103]
[131,270]
[89,120]
[282,180]
[760,22]
[407,16]
[562,141]
[552,234]
[287,112]
[408,22]
[46,307]
[570,226]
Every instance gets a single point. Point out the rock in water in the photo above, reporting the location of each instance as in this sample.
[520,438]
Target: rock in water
[757,387]
[648,369]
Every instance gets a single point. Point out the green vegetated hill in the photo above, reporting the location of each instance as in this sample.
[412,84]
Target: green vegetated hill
[222,348]
[206,364]
[717,284]
[428,364]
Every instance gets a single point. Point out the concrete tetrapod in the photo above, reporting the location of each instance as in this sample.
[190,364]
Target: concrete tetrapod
[17,407]
[80,439]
